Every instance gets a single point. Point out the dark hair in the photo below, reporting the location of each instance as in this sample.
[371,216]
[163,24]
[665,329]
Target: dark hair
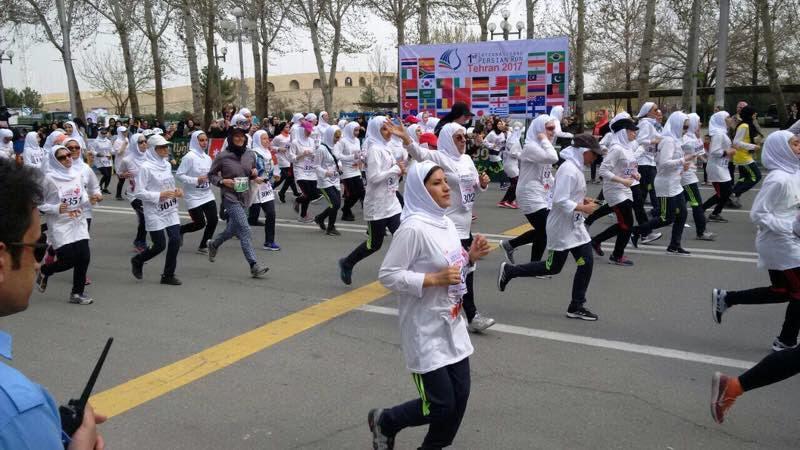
[746,115]
[279,127]
[430,173]
[20,192]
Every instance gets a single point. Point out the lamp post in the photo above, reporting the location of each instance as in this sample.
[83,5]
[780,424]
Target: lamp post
[238,28]
[216,76]
[5,55]
[505,27]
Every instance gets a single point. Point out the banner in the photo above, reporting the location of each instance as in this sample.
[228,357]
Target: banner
[517,79]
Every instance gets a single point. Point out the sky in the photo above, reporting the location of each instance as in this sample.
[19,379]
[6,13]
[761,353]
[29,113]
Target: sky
[39,66]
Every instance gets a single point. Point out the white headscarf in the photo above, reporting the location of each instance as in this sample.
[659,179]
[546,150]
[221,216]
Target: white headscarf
[374,136]
[536,127]
[621,136]
[258,148]
[645,109]
[342,123]
[51,140]
[323,118]
[311,117]
[327,137]
[446,144]
[121,132]
[154,161]
[133,153]
[57,170]
[674,126]
[412,132]
[574,155]
[349,133]
[431,123]
[194,143]
[515,134]
[557,112]
[244,112]
[694,125]
[32,141]
[717,125]
[297,117]
[777,155]
[76,134]
[6,133]
[76,163]
[418,202]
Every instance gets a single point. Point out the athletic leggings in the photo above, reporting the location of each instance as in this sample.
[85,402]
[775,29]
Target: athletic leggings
[269,219]
[722,192]
[776,367]
[376,229]
[309,190]
[638,204]
[334,199]
[443,393]
[671,211]
[468,300]
[553,265]
[353,193]
[692,193]
[622,229]
[511,192]
[749,176]
[287,178]
[172,242]
[648,176]
[593,168]
[784,287]
[76,256]
[105,178]
[202,216]
[141,233]
[120,185]
[537,236]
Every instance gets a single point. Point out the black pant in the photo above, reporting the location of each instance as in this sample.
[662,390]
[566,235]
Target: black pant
[705,172]
[468,300]
[287,178]
[594,166]
[671,211]
[648,176]
[511,192]
[553,265]
[105,177]
[443,393]
[309,192]
[334,198]
[638,204]
[732,169]
[353,193]
[141,233]
[784,287]
[120,185]
[171,240]
[376,229]
[269,219]
[622,229]
[204,215]
[692,193]
[75,255]
[776,367]
[749,176]
[537,236]
[722,192]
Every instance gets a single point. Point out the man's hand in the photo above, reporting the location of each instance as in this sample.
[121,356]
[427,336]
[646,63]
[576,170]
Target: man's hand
[479,248]
[86,437]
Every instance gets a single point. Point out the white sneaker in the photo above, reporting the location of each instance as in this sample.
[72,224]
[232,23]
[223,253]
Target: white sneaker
[480,323]
[651,237]
[508,250]
[80,299]
[718,305]
[707,236]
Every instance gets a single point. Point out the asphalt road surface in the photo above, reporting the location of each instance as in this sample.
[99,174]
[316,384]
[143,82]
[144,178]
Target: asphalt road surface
[296,360]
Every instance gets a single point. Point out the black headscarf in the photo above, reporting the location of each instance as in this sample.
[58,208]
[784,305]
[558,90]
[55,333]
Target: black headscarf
[746,114]
[237,150]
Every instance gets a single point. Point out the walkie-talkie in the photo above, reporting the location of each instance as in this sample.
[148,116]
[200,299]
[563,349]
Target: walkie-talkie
[72,414]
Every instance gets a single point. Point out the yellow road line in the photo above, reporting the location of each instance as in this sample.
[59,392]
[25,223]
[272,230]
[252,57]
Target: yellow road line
[152,385]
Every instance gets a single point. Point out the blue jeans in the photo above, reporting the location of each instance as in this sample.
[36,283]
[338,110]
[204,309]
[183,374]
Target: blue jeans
[237,226]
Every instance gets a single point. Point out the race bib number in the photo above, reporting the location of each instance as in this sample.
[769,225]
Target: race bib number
[203,185]
[265,193]
[455,292]
[467,185]
[71,197]
[167,205]
[391,184]
[241,184]
[547,173]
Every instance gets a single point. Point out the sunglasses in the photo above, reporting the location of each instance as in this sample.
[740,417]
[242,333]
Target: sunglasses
[62,157]
[73,147]
[39,247]
[550,128]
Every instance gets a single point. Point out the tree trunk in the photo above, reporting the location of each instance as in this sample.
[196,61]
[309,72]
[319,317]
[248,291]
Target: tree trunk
[154,51]
[580,49]
[265,78]
[257,81]
[484,24]
[211,69]
[327,95]
[424,33]
[756,47]
[125,44]
[75,103]
[191,53]
[79,111]
[722,53]
[530,6]
[646,52]
[690,71]
[772,72]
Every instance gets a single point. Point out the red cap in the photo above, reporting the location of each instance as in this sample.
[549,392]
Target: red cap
[428,138]
[412,119]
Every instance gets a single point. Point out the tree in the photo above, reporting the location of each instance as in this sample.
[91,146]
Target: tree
[618,25]
[646,52]
[188,35]
[580,53]
[451,34]
[484,9]
[26,98]
[396,12]
[270,26]
[530,14]
[226,88]
[690,69]
[772,71]
[383,80]
[156,17]
[107,74]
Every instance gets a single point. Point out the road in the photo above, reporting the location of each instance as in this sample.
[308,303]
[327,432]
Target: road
[295,360]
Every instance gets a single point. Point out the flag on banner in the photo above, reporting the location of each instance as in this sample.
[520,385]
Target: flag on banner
[536,76]
[408,70]
[537,61]
[443,105]
[410,106]
[427,83]
[427,68]
[555,78]
[411,94]
[556,62]
[480,84]
[480,108]
[427,93]
[537,105]
[517,86]
[555,90]
[408,62]
[535,89]
[462,82]
[463,95]
[427,104]
[516,107]
[555,101]
[499,106]
[408,85]
[500,83]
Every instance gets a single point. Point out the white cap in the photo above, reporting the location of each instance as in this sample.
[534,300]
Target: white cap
[157,140]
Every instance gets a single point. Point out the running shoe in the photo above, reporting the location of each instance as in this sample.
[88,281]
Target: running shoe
[272,246]
[717,218]
[256,270]
[598,249]
[305,219]
[348,217]
[678,251]
[706,236]
[778,345]
[621,261]
[379,440]
[635,239]
[544,277]
[119,199]
[718,304]
[333,232]
[513,205]
[87,282]
[508,250]
[503,205]
[345,273]
[480,323]
[581,313]
[721,398]
[296,206]
[735,203]
[282,197]
[320,221]
[502,281]
[136,268]
[474,217]
[651,237]
[41,281]
[80,299]
[212,250]
[172,281]
[202,250]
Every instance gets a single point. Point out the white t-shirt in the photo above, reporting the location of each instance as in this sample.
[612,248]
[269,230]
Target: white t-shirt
[690,146]
[158,214]
[327,169]
[565,229]
[717,167]
[62,229]
[102,149]
[647,132]
[433,330]
[304,167]
[620,162]
[194,165]
[774,212]
[497,142]
[669,163]
[536,176]
[350,156]
[280,145]
[383,179]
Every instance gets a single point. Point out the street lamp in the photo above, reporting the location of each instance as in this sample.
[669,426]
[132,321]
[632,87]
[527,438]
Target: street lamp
[241,26]
[505,27]
[5,55]
[216,76]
